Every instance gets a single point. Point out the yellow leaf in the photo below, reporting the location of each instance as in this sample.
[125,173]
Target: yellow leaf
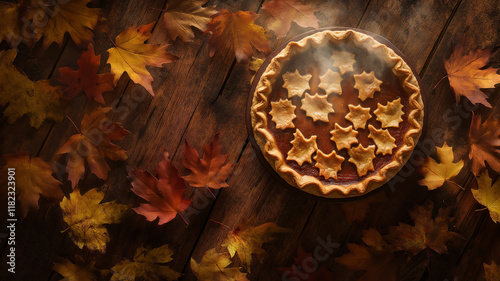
[79,271]
[86,218]
[488,195]
[437,173]
[39,100]
[132,55]
[10,28]
[147,265]
[491,271]
[254,66]
[213,266]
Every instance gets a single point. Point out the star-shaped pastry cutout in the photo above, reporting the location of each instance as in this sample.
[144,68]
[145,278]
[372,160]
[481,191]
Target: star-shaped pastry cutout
[390,115]
[328,164]
[283,113]
[343,60]
[366,84]
[330,82]
[383,139]
[358,115]
[317,107]
[295,83]
[362,157]
[302,149]
[344,137]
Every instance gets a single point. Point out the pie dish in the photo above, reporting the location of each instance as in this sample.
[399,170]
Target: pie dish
[336,113]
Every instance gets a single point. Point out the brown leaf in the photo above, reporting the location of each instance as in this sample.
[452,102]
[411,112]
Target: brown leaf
[32,178]
[437,173]
[93,144]
[467,77]
[283,12]
[79,271]
[484,140]
[10,25]
[214,266]
[239,31]
[86,79]
[165,194]
[491,271]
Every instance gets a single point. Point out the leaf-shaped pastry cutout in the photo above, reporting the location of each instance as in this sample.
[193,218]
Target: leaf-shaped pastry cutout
[317,107]
[358,115]
[283,113]
[330,82]
[366,84]
[390,115]
[296,84]
[302,149]
[343,60]
[344,137]
[362,157]
[328,164]
[383,139]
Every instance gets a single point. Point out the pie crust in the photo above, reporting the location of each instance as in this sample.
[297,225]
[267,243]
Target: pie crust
[328,163]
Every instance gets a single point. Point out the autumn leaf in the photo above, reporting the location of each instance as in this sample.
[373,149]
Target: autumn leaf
[209,171]
[79,271]
[301,270]
[254,66]
[93,144]
[427,232]
[38,100]
[488,195]
[148,264]
[247,240]
[484,140]
[283,12]
[10,25]
[132,55]
[491,271]
[437,173]
[86,218]
[33,177]
[213,266]
[467,76]
[165,194]
[86,79]
[239,31]
[180,15]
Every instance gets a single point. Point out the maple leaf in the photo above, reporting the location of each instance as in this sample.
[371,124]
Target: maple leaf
[427,232]
[39,100]
[254,66]
[484,140]
[10,27]
[375,258]
[210,171]
[79,271]
[148,264]
[247,240]
[93,144]
[86,79]
[437,173]
[283,12]
[213,266]
[132,55]
[33,177]
[488,195]
[165,194]
[239,31]
[86,218]
[491,271]
[467,77]
[299,271]
[180,15]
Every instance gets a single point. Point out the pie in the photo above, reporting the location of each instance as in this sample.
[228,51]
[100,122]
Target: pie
[337,113]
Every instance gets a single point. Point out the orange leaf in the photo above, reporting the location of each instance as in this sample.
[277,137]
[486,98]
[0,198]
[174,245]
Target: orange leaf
[209,171]
[437,173]
[300,270]
[484,140]
[239,31]
[165,194]
[86,79]
[132,55]
[466,75]
[93,144]
[283,12]
[33,177]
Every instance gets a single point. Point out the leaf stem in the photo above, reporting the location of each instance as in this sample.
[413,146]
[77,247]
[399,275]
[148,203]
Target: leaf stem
[220,224]
[206,187]
[112,42]
[446,76]
[182,217]
[482,209]
[74,125]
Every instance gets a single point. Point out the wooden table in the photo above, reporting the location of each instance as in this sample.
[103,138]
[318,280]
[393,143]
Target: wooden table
[198,96]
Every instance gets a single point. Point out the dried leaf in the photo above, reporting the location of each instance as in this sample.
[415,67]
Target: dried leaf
[467,77]
[79,271]
[254,66]
[180,15]
[86,79]
[10,25]
[209,171]
[239,31]
[491,271]
[148,264]
[247,240]
[93,144]
[488,195]
[39,100]
[132,55]
[33,177]
[484,140]
[436,174]
[301,269]
[86,218]
[213,266]
[283,12]
[165,194]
